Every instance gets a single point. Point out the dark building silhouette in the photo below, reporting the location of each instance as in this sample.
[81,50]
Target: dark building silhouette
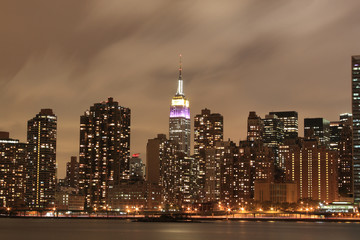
[355,82]
[137,168]
[41,162]
[274,135]
[72,173]
[290,120]
[345,152]
[319,129]
[104,150]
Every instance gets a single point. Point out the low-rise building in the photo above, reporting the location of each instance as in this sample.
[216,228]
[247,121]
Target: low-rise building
[275,192]
[134,194]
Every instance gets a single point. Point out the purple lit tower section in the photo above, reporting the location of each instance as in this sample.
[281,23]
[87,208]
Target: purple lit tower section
[179,122]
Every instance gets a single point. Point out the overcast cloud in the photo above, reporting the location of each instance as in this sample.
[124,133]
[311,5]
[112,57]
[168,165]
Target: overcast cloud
[238,56]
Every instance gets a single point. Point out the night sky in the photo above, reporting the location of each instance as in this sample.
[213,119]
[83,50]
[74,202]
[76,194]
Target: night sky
[238,56]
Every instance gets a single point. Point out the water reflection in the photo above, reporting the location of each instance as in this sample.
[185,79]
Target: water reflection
[85,229]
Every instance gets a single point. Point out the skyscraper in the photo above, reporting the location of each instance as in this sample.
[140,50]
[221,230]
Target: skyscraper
[219,177]
[179,122]
[255,127]
[261,160]
[169,168]
[208,129]
[290,120]
[274,135]
[104,150]
[345,151]
[317,128]
[335,131]
[12,171]
[41,163]
[355,70]
[314,169]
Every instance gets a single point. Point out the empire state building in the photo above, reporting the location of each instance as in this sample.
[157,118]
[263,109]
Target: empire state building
[179,122]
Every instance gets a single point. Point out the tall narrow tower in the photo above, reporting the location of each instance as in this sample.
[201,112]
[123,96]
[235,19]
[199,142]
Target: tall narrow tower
[179,122]
[41,162]
[355,73]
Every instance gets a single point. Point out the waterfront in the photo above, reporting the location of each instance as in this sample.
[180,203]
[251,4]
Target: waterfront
[89,229]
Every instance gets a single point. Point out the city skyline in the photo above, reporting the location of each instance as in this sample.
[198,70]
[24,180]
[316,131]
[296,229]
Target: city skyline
[61,79]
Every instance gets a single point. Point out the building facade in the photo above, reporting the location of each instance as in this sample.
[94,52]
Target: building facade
[208,129]
[137,167]
[314,169]
[275,192]
[260,160]
[179,121]
[319,129]
[355,83]
[219,172]
[12,172]
[341,142]
[171,169]
[274,135]
[255,127]
[291,125]
[104,150]
[72,173]
[131,196]
[345,151]
[41,162]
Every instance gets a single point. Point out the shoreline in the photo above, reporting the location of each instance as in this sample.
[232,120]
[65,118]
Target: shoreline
[199,219]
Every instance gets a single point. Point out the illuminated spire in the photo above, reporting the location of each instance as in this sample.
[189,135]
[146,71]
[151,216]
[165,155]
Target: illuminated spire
[180,90]
[180,68]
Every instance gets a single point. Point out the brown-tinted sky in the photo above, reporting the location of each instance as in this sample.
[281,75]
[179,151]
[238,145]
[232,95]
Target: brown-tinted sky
[238,56]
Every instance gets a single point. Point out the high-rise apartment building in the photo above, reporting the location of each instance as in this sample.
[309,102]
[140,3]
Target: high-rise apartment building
[255,127]
[171,169]
[104,150]
[160,159]
[179,122]
[261,160]
[219,177]
[72,173]
[290,120]
[208,129]
[314,169]
[41,162]
[12,172]
[317,128]
[355,80]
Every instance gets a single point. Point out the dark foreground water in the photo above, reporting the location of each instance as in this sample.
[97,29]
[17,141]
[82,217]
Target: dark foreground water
[88,229]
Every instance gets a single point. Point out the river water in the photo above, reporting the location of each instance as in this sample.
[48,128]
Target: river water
[94,229]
